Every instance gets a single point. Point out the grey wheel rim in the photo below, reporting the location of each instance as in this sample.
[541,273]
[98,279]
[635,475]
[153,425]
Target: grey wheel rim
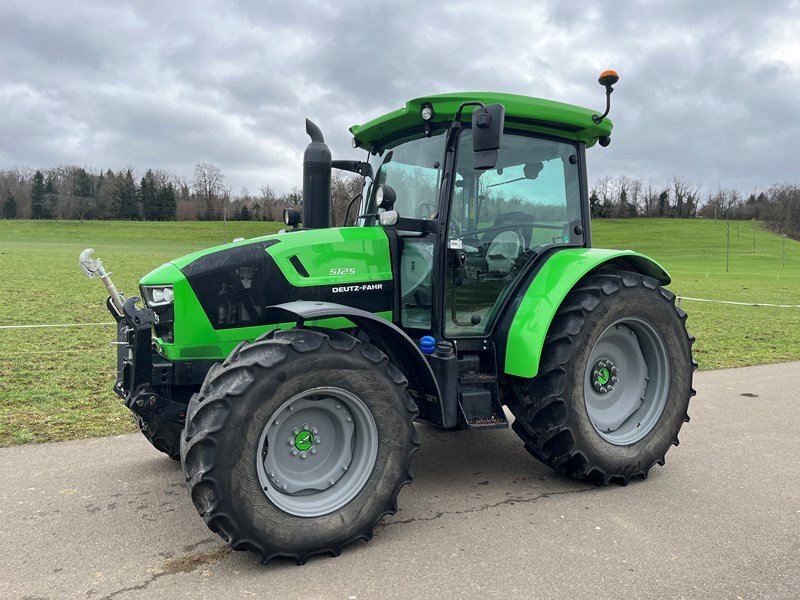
[317,451]
[626,385]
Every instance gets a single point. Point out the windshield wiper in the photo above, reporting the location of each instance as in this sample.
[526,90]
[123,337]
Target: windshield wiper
[491,185]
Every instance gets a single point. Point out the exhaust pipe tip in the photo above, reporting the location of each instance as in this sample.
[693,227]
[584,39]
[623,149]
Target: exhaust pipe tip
[314,132]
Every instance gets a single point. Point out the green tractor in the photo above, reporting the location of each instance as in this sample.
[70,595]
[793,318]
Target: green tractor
[286,372]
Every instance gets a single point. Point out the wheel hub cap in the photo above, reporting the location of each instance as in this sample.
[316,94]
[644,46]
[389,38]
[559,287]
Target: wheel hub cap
[317,451]
[604,376]
[624,409]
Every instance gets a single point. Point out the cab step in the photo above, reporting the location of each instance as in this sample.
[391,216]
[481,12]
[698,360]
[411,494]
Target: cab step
[493,423]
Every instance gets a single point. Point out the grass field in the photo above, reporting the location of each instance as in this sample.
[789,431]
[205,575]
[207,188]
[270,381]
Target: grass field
[55,382]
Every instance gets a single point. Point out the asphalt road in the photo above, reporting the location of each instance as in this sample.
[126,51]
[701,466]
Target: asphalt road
[110,518]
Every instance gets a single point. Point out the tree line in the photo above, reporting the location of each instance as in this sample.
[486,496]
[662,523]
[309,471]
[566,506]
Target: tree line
[72,192]
[680,198]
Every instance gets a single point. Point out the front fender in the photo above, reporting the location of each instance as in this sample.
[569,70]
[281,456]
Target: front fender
[531,315]
[387,337]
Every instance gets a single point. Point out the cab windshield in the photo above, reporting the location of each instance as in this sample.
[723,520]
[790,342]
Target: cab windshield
[414,170]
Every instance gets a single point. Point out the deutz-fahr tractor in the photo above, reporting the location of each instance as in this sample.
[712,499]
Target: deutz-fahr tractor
[286,372]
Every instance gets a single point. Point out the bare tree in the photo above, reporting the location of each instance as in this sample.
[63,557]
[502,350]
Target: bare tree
[208,188]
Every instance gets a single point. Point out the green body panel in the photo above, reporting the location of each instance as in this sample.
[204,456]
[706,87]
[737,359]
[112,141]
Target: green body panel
[194,336]
[360,254]
[339,255]
[522,112]
[547,291]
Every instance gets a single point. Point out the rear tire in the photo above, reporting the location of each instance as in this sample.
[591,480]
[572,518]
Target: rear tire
[578,432]
[236,467]
[165,437]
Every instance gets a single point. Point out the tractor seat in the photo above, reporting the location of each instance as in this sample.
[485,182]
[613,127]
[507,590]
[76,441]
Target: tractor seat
[503,250]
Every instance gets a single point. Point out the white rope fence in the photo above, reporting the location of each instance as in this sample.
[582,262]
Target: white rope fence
[43,325]
[680,299]
[765,304]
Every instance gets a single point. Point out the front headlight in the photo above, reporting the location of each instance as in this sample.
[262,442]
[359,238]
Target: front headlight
[159,295]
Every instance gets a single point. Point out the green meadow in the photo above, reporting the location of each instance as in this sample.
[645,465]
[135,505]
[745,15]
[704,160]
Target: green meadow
[55,382]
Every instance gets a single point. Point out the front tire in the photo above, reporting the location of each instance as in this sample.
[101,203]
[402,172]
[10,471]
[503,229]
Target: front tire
[615,381]
[299,443]
[164,436]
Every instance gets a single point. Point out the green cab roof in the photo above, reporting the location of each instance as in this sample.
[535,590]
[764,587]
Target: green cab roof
[522,112]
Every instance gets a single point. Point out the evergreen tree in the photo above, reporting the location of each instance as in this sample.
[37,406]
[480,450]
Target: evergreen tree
[50,197]
[663,204]
[245,216]
[167,203]
[623,203]
[10,207]
[83,192]
[126,199]
[761,203]
[147,193]
[37,196]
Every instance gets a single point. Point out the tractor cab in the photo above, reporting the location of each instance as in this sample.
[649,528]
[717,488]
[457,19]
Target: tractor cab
[469,225]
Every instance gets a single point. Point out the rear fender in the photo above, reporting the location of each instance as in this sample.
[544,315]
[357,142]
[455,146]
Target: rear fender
[401,350]
[527,319]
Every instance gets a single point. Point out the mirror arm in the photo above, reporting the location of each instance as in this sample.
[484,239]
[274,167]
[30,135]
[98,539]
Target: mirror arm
[354,166]
[463,105]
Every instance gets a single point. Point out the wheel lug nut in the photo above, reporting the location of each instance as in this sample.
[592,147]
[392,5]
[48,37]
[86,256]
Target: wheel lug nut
[305,426]
[314,430]
[609,388]
[614,380]
[294,451]
[595,373]
[601,364]
[603,390]
[304,455]
[291,441]
[313,450]
[317,440]
[613,370]
[596,386]
[295,431]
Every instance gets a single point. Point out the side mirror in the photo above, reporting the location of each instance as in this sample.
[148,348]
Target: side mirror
[487,130]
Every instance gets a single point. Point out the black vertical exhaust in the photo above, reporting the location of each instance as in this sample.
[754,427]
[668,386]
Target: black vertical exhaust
[316,180]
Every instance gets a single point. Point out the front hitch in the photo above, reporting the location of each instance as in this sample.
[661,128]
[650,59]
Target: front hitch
[135,358]
[92,268]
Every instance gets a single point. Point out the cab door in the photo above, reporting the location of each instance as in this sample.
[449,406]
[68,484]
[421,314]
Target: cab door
[501,218]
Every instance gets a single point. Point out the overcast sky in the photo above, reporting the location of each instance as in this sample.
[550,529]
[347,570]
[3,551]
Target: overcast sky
[709,89]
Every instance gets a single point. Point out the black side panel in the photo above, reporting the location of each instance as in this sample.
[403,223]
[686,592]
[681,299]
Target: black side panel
[235,286]
[225,259]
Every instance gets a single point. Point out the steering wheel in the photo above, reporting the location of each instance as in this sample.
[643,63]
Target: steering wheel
[424,210]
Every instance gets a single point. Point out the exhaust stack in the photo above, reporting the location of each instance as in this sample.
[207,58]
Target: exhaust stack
[316,180]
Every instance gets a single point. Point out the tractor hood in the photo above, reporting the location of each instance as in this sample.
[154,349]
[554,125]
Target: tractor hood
[221,290]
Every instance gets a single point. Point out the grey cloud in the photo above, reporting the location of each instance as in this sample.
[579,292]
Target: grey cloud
[708,89]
